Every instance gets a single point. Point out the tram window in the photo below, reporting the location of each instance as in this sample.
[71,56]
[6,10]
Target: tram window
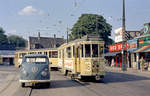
[59,52]
[82,54]
[101,50]
[87,50]
[94,50]
[73,51]
[69,52]
[50,54]
[45,53]
[54,54]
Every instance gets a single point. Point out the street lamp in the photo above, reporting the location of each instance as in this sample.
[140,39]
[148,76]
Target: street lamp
[124,65]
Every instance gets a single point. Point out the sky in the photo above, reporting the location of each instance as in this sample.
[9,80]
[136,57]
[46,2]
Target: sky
[28,17]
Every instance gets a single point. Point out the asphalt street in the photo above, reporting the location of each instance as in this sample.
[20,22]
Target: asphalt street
[115,83]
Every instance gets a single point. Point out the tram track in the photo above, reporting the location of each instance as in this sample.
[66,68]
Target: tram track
[85,84]
[28,92]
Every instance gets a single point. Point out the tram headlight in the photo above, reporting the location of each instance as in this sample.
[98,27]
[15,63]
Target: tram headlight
[44,73]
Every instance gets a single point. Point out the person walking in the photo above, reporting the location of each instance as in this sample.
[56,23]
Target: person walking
[142,61]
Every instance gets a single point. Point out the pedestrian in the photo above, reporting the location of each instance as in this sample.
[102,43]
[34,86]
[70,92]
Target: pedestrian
[142,61]
[112,62]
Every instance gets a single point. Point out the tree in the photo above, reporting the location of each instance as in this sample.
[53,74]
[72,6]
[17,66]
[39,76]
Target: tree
[3,37]
[17,41]
[91,24]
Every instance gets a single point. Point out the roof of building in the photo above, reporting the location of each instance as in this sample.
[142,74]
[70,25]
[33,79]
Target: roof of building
[7,47]
[46,42]
[7,53]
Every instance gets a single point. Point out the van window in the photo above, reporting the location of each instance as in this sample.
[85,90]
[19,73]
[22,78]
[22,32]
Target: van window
[35,60]
[94,50]
[87,50]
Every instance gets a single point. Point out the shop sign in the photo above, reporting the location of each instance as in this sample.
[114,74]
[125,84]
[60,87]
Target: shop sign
[116,47]
[146,28]
[131,44]
[144,41]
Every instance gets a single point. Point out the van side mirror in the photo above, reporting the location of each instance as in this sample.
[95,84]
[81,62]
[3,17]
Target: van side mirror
[50,62]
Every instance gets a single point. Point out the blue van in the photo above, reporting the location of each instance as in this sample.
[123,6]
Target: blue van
[34,69]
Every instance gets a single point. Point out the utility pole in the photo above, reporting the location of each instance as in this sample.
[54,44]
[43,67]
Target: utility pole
[67,34]
[124,63]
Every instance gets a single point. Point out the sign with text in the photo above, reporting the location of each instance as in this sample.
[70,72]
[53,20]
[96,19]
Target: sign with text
[116,47]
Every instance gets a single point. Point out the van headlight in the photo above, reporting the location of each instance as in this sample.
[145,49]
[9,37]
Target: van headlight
[44,73]
[25,73]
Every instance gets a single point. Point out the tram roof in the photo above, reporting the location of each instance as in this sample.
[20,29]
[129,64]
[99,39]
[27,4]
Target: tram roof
[86,38]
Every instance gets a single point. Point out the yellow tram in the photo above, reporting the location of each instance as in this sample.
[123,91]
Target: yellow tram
[51,53]
[82,58]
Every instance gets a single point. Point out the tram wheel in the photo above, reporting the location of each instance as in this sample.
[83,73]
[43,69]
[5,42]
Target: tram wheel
[22,84]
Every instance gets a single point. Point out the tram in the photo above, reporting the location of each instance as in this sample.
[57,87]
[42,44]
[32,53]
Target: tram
[52,55]
[82,58]
[34,69]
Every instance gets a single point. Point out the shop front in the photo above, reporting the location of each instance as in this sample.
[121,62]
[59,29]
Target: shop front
[114,55]
[143,53]
[131,47]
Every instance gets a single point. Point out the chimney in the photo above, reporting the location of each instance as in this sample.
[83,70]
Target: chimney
[54,40]
[38,35]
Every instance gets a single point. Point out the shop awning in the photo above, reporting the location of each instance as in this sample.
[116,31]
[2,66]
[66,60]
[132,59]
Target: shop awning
[143,49]
[112,53]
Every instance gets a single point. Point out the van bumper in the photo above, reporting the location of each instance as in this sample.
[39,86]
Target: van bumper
[33,81]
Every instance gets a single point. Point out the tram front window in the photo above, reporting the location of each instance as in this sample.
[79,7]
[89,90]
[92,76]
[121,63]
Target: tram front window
[87,50]
[94,50]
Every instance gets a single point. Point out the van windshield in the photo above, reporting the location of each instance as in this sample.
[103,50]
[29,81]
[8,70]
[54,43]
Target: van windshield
[37,60]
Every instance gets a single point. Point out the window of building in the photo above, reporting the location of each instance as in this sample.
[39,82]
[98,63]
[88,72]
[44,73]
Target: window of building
[87,50]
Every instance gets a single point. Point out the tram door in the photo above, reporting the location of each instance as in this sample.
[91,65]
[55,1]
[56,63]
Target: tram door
[78,59]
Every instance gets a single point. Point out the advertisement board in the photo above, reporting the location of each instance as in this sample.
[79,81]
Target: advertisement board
[131,45]
[144,41]
[116,47]
[118,35]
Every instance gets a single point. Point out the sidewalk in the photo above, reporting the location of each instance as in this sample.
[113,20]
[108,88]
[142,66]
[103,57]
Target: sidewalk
[129,71]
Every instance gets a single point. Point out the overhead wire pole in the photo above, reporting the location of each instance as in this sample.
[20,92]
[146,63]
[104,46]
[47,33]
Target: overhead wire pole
[124,63]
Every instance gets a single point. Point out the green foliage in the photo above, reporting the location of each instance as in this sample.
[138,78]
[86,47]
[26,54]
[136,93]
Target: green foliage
[17,41]
[3,37]
[91,24]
